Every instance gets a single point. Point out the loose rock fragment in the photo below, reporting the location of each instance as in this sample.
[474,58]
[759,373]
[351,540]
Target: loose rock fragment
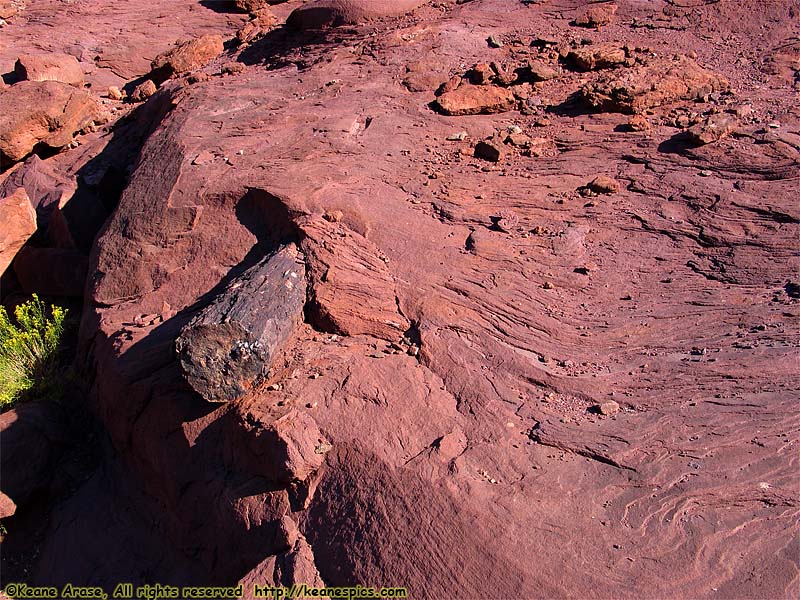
[597,16]
[143,91]
[603,184]
[187,56]
[711,129]
[489,150]
[476,100]
[594,58]
[655,84]
[607,408]
[18,221]
[49,67]
[46,112]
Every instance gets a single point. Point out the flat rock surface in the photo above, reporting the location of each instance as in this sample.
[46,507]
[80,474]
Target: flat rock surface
[522,388]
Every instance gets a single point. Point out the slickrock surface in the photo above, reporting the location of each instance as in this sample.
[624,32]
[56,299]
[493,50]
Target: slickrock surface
[571,372]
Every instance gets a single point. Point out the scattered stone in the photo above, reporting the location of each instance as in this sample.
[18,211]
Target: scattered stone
[489,150]
[503,74]
[711,129]
[333,216]
[507,221]
[143,91]
[18,220]
[49,67]
[603,184]
[596,16]
[44,112]
[596,57]
[7,506]
[457,137]
[494,42]
[187,56]
[450,85]
[541,71]
[233,68]
[655,84]
[548,286]
[607,408]
[476,100]
[115,93]
[639,123]
[540,146]
[518,140]
[481,74]
[250,6]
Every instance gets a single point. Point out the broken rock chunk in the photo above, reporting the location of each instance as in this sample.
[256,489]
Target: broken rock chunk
[49,67]
[43,112]
[187,56]
[655,84]
[18,221]
[476,100]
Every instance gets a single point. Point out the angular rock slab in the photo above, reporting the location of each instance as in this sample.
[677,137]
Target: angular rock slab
[332,13]
[42,112]
[228,347]
[655,84]
[187,56]
[476,100]
[17,225]
[49,67]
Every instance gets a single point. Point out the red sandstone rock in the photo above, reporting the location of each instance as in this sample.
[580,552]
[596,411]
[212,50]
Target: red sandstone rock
[480,420]
[475,100]
[49,67]
[713,128]
[43,112]
[143,91]
[187,56]
[19,224]
[325,13]
[596,16]
[655,84]
[596,57]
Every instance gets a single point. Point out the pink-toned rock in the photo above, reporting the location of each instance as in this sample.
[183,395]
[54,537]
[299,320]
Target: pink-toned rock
[476,100]
[7,506]
[352,290]
[596,16]
[30,437]
[18,220]
[143,91]
[187,56]
[712,129]
[287,449]
[49,67]
[331,13]
[596,57]
[654,84]
[43,112]
[603,184]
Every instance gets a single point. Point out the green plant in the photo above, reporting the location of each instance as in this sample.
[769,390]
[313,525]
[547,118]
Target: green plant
[29,365]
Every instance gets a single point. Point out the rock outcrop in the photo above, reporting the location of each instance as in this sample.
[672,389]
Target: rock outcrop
[49,67]
[43,112]
[19,224]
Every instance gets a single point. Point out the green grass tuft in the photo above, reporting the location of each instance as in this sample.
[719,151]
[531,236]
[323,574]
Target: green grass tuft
[29,366]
